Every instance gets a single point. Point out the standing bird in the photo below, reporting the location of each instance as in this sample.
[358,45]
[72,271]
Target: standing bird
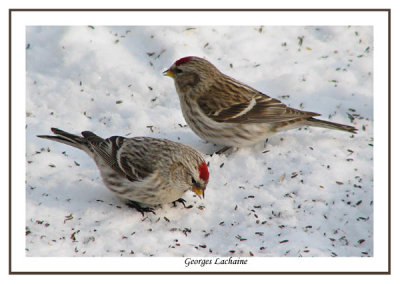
[142,170]
[224,111]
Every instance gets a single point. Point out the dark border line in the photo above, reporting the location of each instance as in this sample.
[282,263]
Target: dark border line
[199,10]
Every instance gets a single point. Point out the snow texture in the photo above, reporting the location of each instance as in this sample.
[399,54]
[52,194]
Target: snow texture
[306,192]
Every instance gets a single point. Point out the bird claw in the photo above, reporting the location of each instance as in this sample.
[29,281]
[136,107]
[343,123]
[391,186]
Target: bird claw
[139,208]
[180,200]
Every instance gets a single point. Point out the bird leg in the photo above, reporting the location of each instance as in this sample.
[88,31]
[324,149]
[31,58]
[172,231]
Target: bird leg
[139,208]
[223,150]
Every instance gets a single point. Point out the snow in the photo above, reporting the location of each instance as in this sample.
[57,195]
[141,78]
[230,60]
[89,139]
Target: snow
[306,192]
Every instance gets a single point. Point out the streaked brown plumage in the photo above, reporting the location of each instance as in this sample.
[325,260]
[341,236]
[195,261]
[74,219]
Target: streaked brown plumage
[226,112]
[146,170]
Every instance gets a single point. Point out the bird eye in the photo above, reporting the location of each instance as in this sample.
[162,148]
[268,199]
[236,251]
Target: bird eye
[193,181]
[177,71]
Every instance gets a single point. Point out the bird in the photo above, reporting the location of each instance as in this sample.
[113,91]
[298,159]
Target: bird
[143,171]
[227,112]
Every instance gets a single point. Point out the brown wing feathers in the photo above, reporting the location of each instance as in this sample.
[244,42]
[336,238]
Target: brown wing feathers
[248,106]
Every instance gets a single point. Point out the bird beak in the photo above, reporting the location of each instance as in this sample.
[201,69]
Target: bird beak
[199,192]
[169,73]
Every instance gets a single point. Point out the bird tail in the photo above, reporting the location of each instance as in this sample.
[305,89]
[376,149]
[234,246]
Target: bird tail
[331,125]
[67,138]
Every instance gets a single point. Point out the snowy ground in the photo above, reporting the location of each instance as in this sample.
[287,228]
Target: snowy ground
[307,192]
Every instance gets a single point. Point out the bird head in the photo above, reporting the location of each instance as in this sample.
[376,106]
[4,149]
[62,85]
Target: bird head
[200,180]
[191,72]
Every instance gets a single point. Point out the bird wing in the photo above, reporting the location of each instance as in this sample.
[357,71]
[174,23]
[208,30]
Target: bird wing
[238,103]
[133,161]
[119,154]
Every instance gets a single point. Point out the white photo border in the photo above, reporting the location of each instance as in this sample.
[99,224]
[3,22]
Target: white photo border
[379,19]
